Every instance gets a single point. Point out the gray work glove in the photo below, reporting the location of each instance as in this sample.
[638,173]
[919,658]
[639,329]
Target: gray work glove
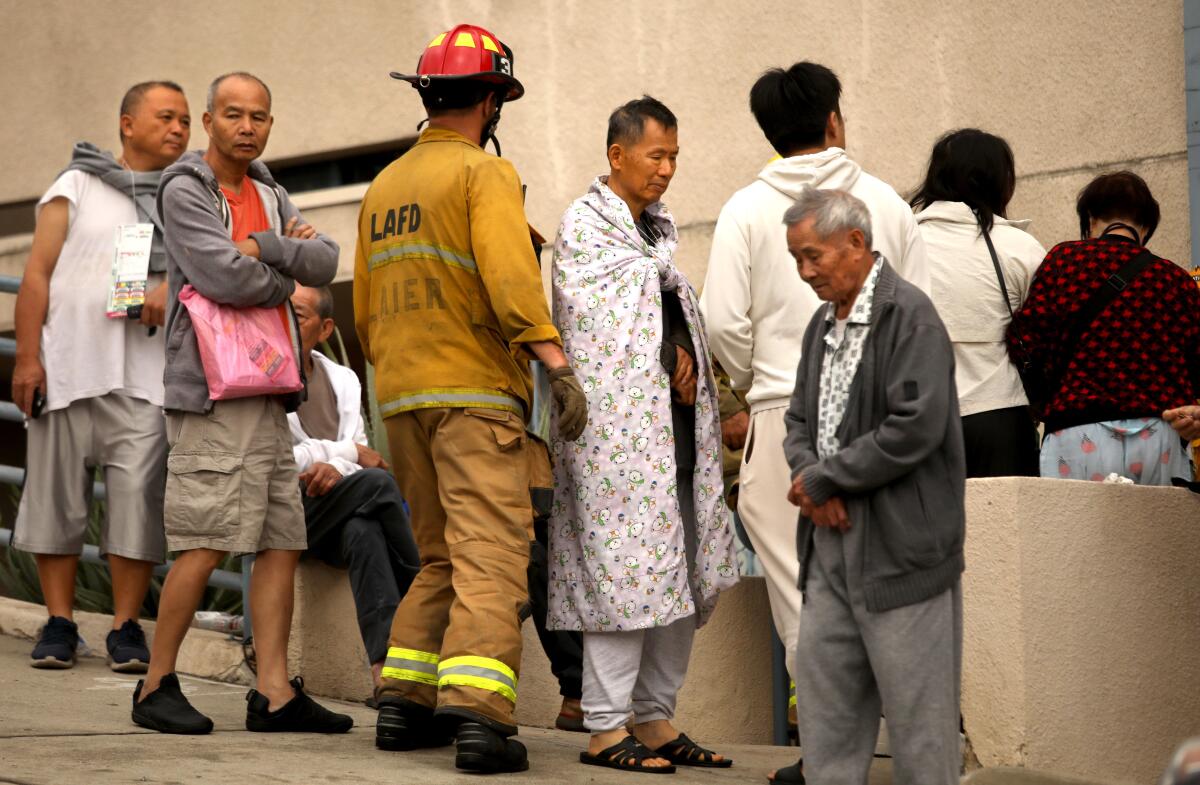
[570,402]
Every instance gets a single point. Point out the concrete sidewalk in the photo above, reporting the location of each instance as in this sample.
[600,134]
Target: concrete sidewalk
[73,728]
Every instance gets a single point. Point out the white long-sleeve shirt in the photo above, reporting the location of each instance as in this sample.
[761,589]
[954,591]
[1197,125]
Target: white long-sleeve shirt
[755,305]
[341,454]
[967,295]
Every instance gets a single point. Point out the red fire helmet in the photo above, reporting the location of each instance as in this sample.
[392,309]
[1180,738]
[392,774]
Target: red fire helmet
[466,52]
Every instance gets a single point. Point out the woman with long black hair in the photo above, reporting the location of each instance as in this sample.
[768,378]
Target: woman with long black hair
[981,265]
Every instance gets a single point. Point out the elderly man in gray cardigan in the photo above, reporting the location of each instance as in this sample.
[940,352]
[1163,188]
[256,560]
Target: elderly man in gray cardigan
[876,453]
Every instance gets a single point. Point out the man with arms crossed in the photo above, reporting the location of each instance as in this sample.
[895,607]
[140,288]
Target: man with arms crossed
[232,487]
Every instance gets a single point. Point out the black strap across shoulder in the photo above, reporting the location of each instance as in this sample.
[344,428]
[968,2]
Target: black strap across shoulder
[987,238]
[1112,288]
[1115,284]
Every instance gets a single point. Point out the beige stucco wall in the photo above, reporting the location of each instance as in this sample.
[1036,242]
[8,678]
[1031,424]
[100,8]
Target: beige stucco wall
[1075,86]
[1080,632]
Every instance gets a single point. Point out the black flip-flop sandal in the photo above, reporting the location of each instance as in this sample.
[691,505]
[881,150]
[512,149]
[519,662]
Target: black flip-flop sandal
[789,775]
[628,754]
[685,752]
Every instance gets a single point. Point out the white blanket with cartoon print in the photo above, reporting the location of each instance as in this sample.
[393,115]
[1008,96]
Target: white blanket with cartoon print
[618,558]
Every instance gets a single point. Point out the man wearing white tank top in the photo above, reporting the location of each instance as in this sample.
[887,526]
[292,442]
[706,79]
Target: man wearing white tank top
[93,385]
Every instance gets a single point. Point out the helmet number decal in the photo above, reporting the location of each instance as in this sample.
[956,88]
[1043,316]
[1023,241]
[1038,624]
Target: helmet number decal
[505,66]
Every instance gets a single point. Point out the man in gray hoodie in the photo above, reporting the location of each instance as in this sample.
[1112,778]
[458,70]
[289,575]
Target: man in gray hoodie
[232,487]
[878,472]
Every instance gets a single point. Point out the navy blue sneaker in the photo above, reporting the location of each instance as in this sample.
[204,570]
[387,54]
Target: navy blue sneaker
[127,652]
[56,644]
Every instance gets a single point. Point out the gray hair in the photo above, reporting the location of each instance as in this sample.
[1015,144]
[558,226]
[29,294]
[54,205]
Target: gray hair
[834,211]
[216,85]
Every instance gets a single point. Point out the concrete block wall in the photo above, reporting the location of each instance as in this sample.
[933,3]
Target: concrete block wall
[1080,635]
[1080,626]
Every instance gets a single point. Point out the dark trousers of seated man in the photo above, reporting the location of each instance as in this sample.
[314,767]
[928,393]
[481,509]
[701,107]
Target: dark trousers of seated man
[361,526]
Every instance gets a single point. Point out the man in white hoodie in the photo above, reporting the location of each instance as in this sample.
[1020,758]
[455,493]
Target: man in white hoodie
[756,306]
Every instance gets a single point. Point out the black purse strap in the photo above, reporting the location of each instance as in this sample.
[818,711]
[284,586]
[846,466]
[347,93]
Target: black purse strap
[1109,291]
[987,238]
[1112,288]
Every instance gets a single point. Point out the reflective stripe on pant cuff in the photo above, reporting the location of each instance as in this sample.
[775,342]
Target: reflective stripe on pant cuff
[482,673]
[411,665]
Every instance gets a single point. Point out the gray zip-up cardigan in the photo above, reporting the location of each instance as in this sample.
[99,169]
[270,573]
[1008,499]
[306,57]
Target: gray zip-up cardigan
[901,469]
[196,226]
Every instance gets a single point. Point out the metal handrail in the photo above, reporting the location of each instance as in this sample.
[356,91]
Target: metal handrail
[9,284]
[13,475]
[220,579]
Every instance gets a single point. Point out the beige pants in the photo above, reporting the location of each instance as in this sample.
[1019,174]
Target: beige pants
[770,520]
[456,637]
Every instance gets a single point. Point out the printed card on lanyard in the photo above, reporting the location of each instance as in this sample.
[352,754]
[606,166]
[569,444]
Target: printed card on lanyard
[130,268]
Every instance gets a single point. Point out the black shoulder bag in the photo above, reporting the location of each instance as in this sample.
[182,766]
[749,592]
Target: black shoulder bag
[1040,384]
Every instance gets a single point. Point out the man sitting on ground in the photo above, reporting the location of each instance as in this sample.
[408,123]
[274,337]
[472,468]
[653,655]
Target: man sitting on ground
[353,510]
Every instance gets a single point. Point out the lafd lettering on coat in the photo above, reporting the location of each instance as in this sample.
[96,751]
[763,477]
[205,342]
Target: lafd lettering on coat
[396,221]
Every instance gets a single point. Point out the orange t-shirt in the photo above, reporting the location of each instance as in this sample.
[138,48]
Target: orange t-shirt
[246,210]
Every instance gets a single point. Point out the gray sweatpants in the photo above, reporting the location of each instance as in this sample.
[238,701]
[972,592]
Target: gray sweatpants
[637,673]
[640,672]
[851,664]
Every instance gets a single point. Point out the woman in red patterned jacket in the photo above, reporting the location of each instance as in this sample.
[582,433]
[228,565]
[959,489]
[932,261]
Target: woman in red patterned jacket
[1111,380]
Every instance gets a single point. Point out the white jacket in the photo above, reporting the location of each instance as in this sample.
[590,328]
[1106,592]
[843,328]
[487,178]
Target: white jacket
[341,454]
[967,296]
[755,306]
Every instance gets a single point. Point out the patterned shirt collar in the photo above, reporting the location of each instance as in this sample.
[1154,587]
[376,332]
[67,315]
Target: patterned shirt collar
[860,312]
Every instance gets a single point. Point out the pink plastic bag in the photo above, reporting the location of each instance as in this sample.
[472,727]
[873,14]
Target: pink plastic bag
[245,351]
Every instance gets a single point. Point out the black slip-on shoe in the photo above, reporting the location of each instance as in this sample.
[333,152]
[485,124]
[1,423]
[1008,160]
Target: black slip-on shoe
[56,645]
[479,748]
[404,725]
[166,710]
[301,714]
[127,652]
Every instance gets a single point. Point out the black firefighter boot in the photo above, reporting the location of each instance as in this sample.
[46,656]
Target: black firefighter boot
[484,750]
[405,725]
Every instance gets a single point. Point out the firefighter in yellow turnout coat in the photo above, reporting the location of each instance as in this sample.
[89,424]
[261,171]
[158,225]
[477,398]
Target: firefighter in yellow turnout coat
[449,308]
